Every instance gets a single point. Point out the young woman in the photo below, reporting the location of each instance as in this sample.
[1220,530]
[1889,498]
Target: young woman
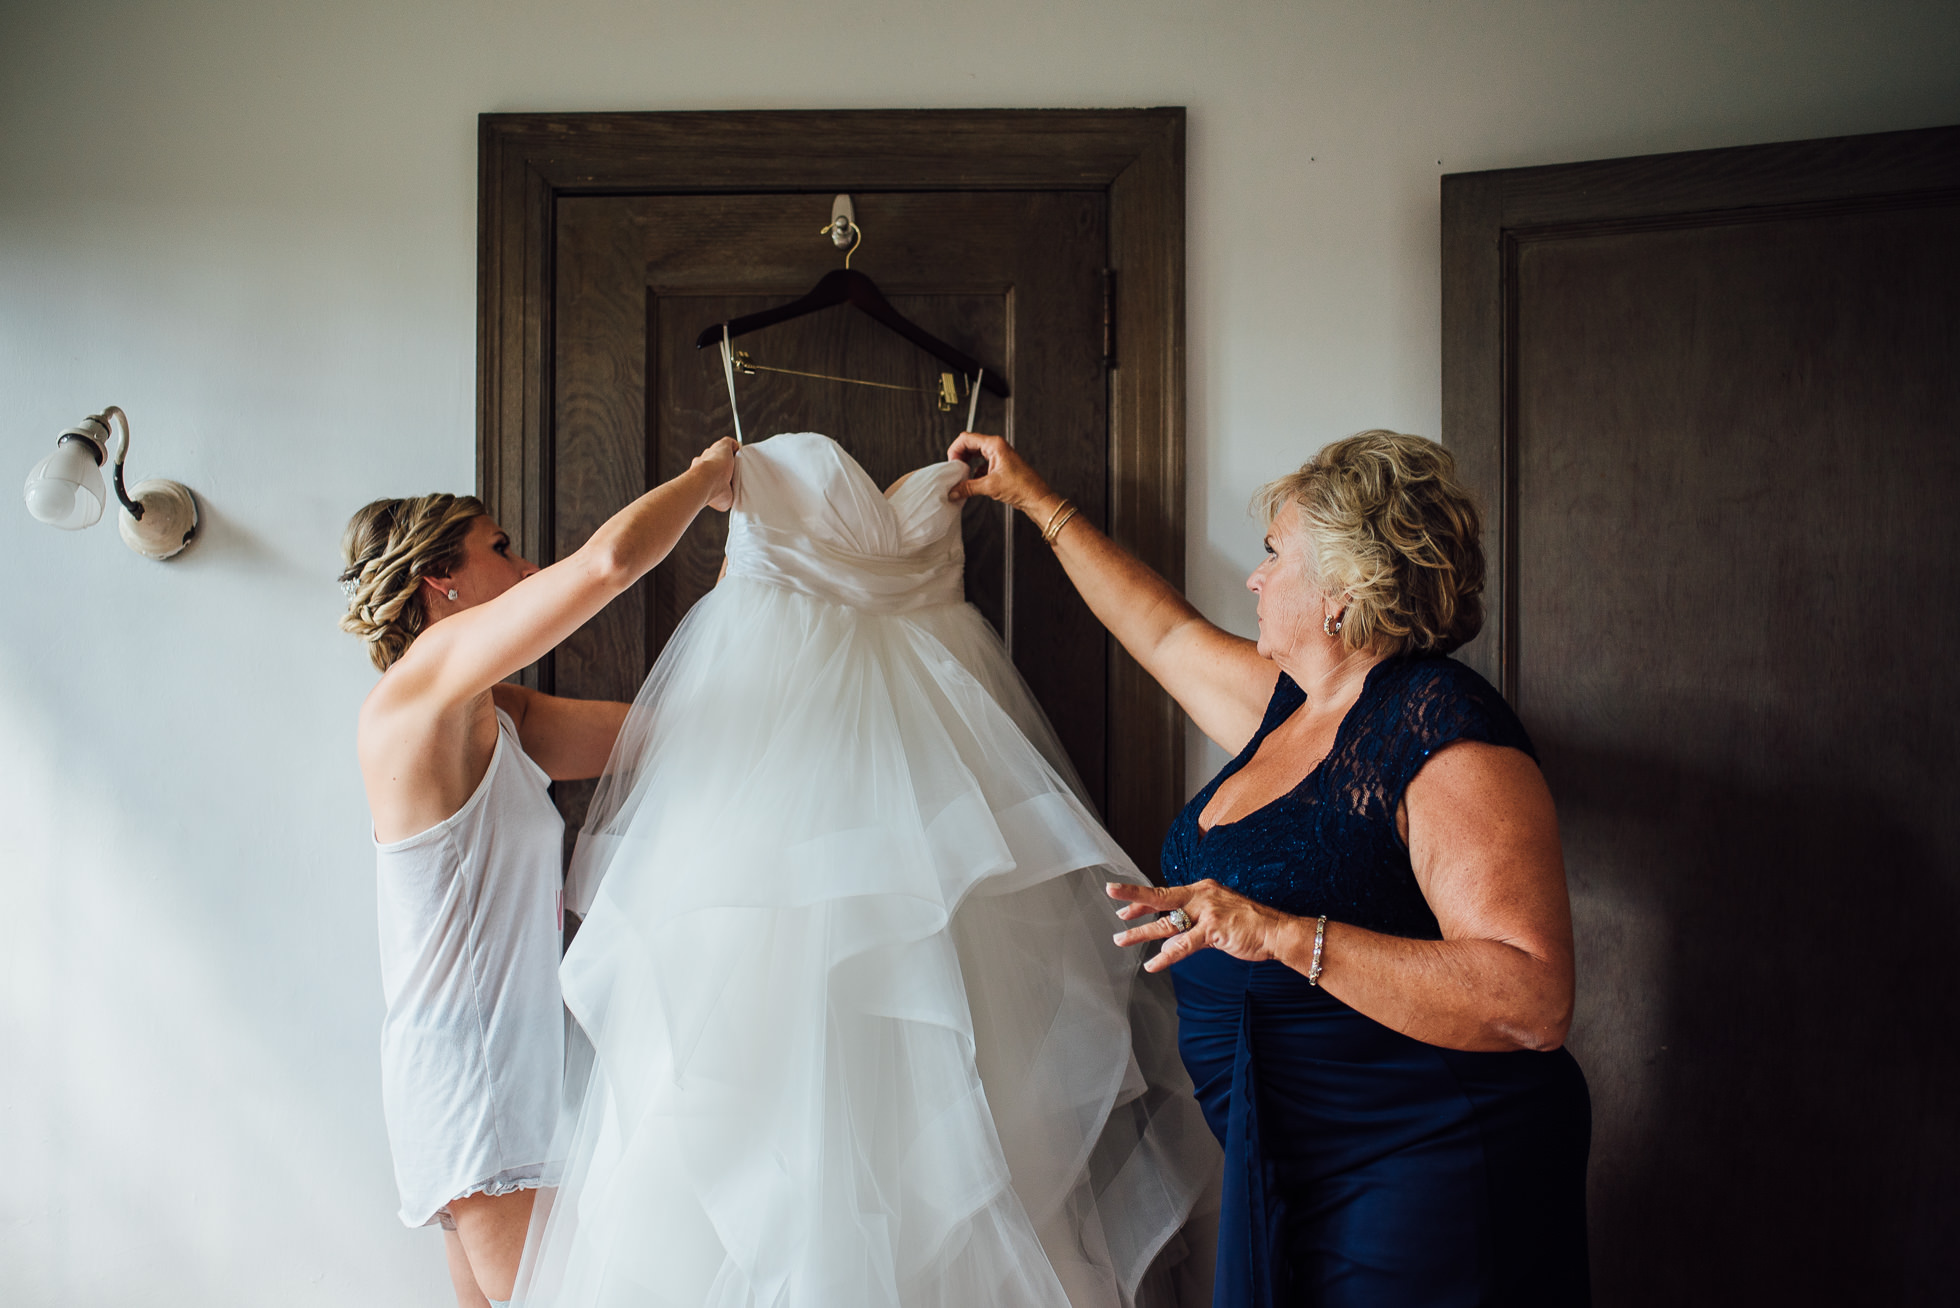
[468,842]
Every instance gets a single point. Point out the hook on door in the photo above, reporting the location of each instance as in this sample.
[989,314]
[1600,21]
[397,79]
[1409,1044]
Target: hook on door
[842,227]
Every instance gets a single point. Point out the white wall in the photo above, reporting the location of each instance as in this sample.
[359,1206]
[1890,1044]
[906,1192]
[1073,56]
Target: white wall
[252,223]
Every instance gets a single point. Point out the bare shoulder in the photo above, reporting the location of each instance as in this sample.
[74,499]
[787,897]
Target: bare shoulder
[407,684]
[1480,773]
[1476,805]
[400,716]
[380,714]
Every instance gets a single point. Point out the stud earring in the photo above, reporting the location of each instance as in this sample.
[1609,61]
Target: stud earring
[1331,625]
[452,592]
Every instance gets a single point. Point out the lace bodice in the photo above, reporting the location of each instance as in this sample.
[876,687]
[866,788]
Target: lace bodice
[1330,844]
[807,517]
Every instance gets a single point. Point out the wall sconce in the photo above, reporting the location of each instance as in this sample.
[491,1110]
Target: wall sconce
[65,491]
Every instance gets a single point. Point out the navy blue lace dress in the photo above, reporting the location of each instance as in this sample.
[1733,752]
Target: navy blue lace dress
[1363,1167]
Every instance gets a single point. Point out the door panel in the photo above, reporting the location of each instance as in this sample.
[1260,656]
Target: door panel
[1011,278]
[1739,460]
[1730,451]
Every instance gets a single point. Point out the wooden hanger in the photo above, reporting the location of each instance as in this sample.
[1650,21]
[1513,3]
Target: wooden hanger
[849,286]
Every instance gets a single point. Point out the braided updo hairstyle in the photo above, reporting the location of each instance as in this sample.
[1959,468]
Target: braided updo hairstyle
[389,546]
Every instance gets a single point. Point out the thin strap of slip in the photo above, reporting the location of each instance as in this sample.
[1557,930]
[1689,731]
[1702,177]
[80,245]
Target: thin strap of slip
[728,371]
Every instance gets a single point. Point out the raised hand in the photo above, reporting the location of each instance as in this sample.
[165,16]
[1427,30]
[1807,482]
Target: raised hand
[1008,478]
[718,460]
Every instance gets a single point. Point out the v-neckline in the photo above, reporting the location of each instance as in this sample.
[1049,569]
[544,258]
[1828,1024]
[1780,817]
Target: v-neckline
[1252,750]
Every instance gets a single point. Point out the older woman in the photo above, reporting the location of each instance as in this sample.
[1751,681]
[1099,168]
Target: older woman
[1365,918]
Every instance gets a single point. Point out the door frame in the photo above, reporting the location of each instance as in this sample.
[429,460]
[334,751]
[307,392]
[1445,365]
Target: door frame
[1135,156]
[1487,217]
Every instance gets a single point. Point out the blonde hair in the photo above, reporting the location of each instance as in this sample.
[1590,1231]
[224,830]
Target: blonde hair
[1389,527]
[389,546]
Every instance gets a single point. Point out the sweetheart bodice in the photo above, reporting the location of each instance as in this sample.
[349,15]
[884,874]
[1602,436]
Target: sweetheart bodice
[807,517]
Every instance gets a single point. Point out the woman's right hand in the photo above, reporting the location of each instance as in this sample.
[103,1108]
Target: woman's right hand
[1008,478]
[718,461]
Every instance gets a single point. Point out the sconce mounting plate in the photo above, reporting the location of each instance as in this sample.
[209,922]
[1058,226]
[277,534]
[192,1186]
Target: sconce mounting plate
[169,518]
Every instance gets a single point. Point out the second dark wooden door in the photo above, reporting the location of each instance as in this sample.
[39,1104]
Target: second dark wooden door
[1724,458]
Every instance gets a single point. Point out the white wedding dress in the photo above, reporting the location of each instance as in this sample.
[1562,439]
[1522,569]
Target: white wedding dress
[860,1036]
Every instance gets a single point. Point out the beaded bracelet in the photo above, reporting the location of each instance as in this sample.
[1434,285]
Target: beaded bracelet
[1319,939]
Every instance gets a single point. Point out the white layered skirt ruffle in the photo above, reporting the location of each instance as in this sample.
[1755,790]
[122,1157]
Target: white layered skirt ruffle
[860,1037]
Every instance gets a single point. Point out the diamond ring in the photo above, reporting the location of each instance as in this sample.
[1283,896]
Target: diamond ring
[1179,919]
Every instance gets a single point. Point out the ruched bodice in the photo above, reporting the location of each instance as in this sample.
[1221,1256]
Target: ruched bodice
[808,518]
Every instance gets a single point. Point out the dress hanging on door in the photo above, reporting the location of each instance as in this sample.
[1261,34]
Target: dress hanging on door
[861,1037]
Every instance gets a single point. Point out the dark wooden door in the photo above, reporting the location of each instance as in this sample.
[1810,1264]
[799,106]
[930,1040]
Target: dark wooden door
[1714,400]
[980,220]
[1014,279]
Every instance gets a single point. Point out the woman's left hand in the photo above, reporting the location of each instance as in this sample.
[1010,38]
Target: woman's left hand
[1220,920]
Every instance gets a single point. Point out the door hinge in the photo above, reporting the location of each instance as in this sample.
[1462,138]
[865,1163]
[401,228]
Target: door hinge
[1109,317]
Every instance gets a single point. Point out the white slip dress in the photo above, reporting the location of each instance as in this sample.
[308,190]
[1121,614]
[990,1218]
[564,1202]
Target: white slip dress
[473,1045]
[860,1037]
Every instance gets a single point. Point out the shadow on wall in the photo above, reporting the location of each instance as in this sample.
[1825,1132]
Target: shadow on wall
[225,541]
[162,1087]
[1769,1021]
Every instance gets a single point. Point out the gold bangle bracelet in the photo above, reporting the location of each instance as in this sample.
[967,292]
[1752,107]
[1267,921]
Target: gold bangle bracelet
[1058,520]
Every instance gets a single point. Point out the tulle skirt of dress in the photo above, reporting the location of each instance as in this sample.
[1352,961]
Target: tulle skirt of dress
[859,1034]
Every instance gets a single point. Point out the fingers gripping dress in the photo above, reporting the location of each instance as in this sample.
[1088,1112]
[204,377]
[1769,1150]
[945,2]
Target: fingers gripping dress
[860,1034]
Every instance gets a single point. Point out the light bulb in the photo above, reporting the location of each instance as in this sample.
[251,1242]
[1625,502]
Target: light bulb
[50,499]
[65,489]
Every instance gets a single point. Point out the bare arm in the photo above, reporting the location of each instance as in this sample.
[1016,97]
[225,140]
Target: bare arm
[462,656]
[1483,838]
[1216,677]
[571,739]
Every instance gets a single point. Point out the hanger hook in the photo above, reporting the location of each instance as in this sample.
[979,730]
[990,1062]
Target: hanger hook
[836,229]
[843,229]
